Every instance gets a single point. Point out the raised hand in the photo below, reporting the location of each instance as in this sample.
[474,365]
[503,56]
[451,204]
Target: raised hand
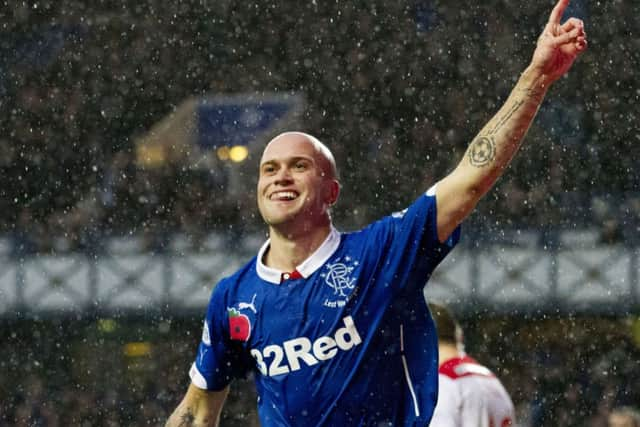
[559,44]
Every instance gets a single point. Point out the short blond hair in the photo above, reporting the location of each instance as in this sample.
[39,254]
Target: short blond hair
[321,148]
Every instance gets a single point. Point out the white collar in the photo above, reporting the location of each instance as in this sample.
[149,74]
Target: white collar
[308,267]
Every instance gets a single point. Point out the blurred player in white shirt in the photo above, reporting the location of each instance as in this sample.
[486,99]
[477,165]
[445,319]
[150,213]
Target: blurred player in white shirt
[469,394]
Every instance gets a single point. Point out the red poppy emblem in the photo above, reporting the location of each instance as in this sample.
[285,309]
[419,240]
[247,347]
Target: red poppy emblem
[239,325]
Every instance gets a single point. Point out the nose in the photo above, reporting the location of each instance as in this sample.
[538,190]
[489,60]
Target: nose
[283,177]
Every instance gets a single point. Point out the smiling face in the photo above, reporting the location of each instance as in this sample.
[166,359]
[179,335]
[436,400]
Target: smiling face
[297,183]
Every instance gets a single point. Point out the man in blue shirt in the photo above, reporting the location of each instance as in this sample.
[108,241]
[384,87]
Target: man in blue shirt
[334,325]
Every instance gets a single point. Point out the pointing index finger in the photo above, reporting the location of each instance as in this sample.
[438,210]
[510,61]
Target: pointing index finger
[558,10]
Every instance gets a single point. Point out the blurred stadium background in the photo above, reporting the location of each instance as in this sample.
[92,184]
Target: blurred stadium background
[130,132]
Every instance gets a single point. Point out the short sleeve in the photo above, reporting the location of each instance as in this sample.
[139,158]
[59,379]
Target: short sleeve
[417,229]
[413,249]
[219,359]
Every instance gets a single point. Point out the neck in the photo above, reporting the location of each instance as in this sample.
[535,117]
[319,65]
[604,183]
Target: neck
[447,351]
[288,250]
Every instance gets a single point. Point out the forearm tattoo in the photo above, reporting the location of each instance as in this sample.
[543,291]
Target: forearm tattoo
[484,148]
[537,94]
[187,419]
[482,151]
[504,119]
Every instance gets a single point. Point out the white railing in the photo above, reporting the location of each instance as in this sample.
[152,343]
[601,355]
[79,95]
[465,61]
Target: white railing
[495,276]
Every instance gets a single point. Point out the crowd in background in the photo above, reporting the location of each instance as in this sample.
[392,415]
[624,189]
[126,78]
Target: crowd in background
[561,371]
[555,371]
[396,89]
[59,376]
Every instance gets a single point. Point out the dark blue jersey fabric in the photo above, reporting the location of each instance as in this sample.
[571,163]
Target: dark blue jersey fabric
[349,343]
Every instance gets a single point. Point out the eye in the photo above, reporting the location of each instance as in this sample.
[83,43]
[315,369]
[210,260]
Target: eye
[300,166]
[268,169]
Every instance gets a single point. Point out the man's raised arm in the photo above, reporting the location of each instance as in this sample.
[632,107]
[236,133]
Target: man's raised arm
[493,148]
[199,408]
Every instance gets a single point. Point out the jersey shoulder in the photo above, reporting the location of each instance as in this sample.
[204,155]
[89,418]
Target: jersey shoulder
[243,278]
[464,366]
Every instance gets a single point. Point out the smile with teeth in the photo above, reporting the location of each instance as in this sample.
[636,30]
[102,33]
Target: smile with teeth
[283,195]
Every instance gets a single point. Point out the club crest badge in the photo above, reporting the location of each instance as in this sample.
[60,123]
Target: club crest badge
[338,276]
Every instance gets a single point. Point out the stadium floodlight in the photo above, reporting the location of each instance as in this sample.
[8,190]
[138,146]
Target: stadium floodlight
[238,153]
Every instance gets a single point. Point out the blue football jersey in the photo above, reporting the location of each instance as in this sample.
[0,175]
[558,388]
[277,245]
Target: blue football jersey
[345,341]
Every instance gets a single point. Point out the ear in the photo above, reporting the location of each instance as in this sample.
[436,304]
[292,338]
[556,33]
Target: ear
[333,192]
